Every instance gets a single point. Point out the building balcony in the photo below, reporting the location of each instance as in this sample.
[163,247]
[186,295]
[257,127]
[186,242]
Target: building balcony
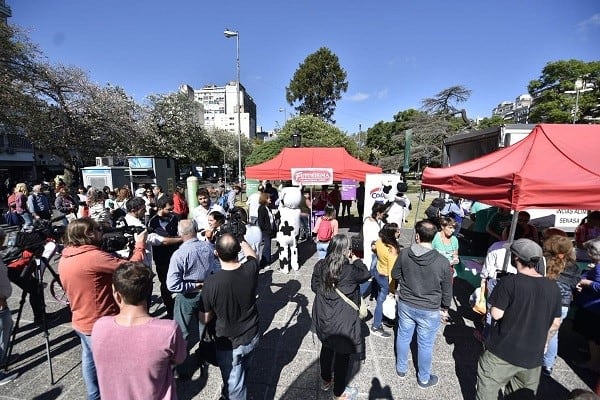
[5,11]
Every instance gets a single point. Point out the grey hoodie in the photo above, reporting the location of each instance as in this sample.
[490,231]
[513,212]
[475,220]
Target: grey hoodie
[424,278]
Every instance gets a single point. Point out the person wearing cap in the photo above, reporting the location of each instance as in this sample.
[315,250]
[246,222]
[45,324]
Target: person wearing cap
[526,309]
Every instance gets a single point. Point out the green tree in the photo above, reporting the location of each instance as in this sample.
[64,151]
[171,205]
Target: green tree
[553,104]
[315,133]
[18,65]
[317,85]
[496,120]
[76,119]
[172,126]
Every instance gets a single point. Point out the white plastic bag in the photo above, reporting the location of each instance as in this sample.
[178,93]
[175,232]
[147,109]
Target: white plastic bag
[389,307]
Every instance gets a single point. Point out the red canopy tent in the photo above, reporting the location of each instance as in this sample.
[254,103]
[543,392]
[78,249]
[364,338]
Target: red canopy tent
[344,165]
[555,166]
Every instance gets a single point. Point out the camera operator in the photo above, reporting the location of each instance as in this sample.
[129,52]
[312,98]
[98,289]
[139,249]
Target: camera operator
[86,275]
[136,208]
[164,224]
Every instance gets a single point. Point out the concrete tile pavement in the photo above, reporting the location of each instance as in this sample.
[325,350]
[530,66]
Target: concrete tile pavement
[286,363]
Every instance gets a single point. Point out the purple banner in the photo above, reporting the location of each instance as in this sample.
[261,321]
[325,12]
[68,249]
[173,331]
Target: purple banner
[349,189]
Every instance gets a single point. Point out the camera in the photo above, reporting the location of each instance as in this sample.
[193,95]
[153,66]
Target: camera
[236,225]
[120,238]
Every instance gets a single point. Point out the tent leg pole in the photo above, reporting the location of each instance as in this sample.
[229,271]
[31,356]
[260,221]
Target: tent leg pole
[510,239]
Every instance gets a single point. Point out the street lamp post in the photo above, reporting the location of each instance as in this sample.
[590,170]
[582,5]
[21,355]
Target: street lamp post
[580,87]
[284,111]
[229,34]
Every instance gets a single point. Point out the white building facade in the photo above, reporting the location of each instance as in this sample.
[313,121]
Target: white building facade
[516,111]
[220,108]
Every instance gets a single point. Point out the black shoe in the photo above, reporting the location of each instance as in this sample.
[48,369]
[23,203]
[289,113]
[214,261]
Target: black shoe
[433,381]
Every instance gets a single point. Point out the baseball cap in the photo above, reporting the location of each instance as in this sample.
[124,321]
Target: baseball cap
[526,250]
[139,192]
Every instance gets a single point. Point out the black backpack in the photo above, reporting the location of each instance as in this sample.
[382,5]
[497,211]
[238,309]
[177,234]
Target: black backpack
[18,241]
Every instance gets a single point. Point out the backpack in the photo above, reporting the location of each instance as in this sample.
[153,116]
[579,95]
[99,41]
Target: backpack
[325,231]
[18,241]
[12,201]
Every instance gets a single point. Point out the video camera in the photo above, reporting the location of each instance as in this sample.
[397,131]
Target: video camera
[236,225]
[121,237]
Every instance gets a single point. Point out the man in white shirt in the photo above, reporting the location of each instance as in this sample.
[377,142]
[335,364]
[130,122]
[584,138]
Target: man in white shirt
[200,213]
[253,205]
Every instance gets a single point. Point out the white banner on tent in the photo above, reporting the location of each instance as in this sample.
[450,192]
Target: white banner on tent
[380,188]
[312,176]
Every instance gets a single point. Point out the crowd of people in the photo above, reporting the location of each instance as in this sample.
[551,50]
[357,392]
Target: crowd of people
[208,270]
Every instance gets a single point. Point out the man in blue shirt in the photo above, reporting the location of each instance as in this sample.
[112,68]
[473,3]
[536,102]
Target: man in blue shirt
[190,265]
[38,204]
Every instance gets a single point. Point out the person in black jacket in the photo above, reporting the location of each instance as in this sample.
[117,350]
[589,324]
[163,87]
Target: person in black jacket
[265,222]
[164,223]
[336,322]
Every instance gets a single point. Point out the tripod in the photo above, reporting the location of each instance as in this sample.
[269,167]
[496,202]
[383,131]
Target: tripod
[33,268]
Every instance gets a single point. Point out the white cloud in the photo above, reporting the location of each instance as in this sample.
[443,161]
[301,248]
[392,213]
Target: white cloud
[591,22]
[382,94]
[359,97]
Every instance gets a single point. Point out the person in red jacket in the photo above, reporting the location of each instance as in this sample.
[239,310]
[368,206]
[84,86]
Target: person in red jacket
[86,274]
[180,206]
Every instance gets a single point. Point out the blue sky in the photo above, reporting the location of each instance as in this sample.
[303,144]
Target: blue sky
[395,52]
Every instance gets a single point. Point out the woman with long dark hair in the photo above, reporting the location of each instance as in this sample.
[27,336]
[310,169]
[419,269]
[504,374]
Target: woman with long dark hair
[560,267]
[336,322]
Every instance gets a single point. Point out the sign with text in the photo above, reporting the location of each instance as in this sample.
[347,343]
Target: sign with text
[349,189]
[312,176]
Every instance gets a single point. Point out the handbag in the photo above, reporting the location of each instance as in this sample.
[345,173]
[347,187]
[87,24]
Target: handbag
[363,311]
[480,306]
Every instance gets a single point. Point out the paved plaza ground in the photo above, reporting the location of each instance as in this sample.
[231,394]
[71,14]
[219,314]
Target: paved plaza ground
[286,362]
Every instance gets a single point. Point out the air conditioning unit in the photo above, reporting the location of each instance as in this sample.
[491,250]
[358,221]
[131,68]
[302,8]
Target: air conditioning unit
[104,162]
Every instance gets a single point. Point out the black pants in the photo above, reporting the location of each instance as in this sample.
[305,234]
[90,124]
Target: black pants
[161,272]
[340,368]
[30,285]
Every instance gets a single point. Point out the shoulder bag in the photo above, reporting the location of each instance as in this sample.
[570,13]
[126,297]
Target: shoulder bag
[362,310]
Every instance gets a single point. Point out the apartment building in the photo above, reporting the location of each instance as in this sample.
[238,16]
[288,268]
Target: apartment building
[220,107]
[514,111]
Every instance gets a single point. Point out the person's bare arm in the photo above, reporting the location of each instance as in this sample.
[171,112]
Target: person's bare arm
[497,313]
[552,331]
[205,317]
[247,249]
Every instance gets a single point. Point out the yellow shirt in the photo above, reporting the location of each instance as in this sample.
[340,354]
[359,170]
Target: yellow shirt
[386,257]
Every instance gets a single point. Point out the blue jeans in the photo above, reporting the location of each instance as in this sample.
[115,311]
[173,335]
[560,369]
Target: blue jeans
[265,260]
[88,368]
[322,249]
[552,350]
[382,291]
[427,323]
[185,313]
[367,288]
[234,365]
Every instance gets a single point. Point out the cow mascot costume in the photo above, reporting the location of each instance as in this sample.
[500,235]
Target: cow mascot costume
[289,228]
